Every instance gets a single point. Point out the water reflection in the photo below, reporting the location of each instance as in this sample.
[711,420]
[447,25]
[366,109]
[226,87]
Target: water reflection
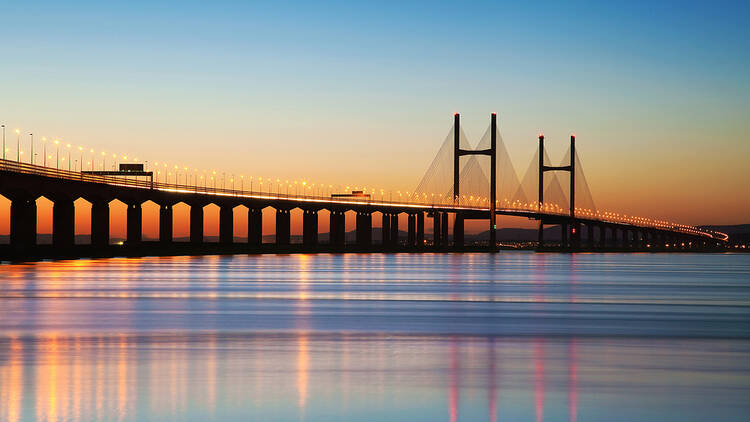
[302,362]
[397,338]
[127,377]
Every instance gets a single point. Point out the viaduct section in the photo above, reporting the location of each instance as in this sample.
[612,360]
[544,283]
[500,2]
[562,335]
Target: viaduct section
[23,184]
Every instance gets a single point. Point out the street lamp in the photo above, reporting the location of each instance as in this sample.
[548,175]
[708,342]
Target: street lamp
[31,135]
[44,150]
[3,126]
[57,154]
[68,156]
[18,145]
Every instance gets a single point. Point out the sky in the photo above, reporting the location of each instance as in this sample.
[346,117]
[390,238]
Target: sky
[362,94]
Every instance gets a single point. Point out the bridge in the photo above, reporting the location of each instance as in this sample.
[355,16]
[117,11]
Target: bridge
[451,192]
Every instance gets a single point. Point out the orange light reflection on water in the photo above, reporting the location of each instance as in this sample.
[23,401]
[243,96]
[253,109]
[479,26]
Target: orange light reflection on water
[11,377]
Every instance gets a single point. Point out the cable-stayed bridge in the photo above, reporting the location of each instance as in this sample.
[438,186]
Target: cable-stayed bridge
[463,182]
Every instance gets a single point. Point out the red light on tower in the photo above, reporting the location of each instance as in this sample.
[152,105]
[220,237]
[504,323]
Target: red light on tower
[494,113]
[541,135]
[573,135]
[455,113]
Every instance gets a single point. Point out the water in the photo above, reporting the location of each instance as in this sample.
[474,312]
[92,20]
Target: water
[454,337]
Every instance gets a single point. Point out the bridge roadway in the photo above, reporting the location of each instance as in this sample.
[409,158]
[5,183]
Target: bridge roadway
[23,183]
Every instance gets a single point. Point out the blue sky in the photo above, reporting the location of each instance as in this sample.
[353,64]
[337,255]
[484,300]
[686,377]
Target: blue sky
[339,91]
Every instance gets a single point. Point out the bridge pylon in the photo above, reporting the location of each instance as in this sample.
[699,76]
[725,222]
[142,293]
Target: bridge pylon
[572,230]
[458,226]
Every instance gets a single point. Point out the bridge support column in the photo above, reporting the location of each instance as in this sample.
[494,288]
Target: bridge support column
[165,223]
[385,229]
[590,235]
[420,229]
[412,227]
[564,235]
[63,223]
[575,235]
[254,226]
[135,223]
[458,231]
[642,238]
[99,223]
[444,228]
[22,222]
[309,227]
[627,238]
[337,228]
[602,236]
[283,227]
[226,224]
[630,236]
[637,239]
[364,229]
[436,229]
[196,223]
[394,229]
[540,234]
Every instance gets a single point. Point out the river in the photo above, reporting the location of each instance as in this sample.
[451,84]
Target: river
[518,336]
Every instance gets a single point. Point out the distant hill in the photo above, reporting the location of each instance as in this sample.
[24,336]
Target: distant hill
[737,233]
[516,235]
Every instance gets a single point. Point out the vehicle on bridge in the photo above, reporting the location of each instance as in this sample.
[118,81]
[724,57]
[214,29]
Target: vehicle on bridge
[354,194]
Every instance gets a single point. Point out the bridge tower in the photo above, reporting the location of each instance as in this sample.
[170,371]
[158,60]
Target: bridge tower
[458,226]
[574,227]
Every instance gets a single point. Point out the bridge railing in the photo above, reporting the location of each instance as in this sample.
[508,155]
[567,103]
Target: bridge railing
[442,203]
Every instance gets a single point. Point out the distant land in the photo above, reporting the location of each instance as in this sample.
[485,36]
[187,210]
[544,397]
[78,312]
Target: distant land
[738,233]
